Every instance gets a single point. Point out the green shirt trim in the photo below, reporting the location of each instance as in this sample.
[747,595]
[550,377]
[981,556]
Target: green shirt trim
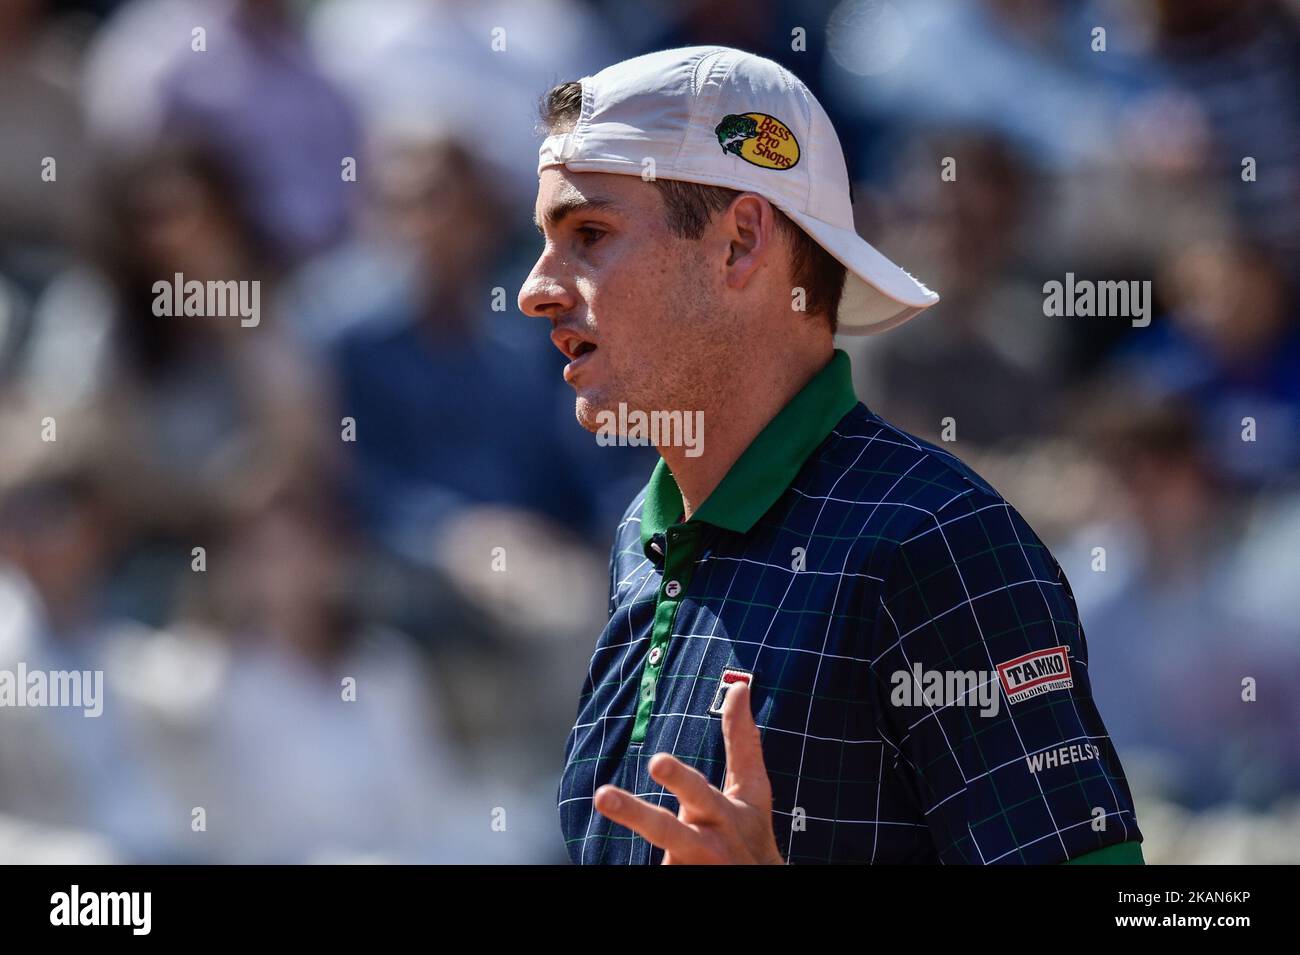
[1123,853]
[768,466]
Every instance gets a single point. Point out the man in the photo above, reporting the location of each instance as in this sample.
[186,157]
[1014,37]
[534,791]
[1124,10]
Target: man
[828,641]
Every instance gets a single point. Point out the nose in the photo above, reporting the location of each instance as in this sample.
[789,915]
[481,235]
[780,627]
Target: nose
[545,293]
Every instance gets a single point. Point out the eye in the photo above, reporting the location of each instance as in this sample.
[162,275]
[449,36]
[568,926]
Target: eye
[589,235]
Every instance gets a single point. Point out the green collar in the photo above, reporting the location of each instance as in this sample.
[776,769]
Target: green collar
[765,469]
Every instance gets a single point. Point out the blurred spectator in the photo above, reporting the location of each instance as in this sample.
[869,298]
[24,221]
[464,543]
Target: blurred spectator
[1239,62]
[252,95]
[324,737]
[468,71]
[205,410]
[41,129]
[219,405]
[58,766]
[978,362]
[1020,69]
[1168,649]
[1231,346]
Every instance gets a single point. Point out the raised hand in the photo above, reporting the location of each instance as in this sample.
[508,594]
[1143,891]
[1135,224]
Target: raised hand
[728,826]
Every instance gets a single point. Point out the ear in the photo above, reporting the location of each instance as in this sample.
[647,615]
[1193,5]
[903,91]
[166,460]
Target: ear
[750,225]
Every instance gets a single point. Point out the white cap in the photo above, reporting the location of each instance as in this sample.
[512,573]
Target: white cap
[722,117]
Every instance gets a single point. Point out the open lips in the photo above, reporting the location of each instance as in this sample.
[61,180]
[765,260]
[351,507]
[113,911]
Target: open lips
[571,343]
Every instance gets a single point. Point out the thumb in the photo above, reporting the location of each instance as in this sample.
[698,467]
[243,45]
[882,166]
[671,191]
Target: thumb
[746,773]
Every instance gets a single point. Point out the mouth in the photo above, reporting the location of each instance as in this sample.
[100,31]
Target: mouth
[582,355]
[575,347]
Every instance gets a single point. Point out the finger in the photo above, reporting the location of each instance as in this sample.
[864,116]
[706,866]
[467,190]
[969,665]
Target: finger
[691,787]
[746,773]
[659,826]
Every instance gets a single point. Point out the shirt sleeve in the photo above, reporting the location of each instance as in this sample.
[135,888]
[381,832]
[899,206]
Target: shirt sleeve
[981,678]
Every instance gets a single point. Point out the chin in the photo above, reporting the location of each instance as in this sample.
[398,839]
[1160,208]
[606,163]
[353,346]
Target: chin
[586,410]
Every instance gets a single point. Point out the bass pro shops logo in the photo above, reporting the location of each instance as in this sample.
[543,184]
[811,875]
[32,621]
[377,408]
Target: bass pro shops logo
[758,139]
[1036,673]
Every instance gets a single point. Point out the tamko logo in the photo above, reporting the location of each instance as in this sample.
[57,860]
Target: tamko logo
[1036,673]
[759,139]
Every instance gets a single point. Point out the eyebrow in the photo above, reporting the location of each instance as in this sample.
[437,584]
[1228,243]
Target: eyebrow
[564,208]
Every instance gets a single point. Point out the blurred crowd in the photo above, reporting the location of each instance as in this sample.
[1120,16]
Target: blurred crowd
[342,569]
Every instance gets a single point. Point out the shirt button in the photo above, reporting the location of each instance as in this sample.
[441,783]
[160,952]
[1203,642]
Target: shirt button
[655,654]
[672,588]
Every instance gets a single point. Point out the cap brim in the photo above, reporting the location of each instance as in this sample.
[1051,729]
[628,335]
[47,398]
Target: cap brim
[878,295]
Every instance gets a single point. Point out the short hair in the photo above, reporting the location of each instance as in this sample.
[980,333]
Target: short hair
[690,206]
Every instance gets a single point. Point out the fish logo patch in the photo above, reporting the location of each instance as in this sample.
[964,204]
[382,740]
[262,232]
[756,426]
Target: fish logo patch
[759,139]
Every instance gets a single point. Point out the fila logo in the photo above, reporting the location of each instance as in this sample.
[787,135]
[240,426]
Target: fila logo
[729,676]
[1036,673]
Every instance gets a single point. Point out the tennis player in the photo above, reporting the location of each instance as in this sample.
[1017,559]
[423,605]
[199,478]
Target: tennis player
[828,640]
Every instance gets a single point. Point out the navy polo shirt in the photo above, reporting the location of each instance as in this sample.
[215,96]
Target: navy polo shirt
[918,670]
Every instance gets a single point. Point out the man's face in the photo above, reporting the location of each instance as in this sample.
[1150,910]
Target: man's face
[634,308]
